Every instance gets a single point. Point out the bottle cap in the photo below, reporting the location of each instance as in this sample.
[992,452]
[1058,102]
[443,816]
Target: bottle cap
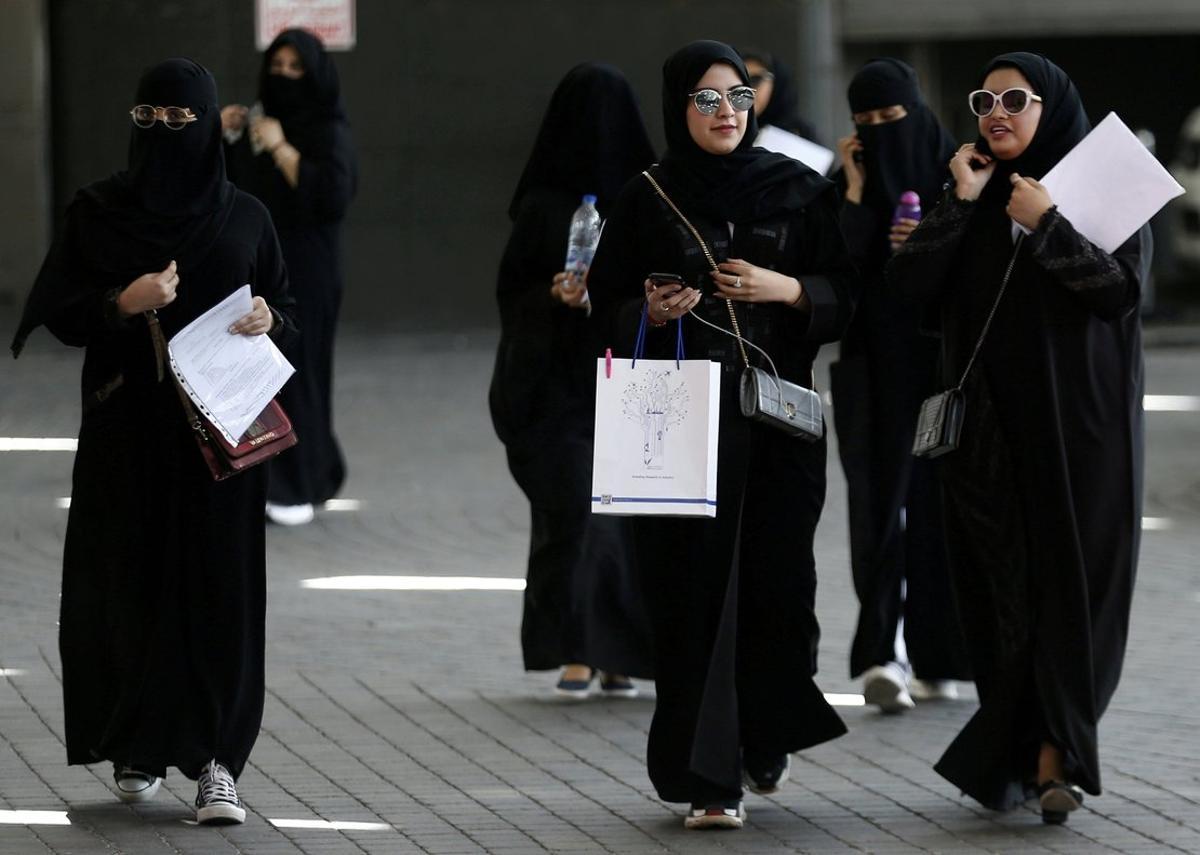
[589,199]
[910,198]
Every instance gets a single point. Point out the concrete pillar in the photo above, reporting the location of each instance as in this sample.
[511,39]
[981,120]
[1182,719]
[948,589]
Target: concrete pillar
[822,90]
[25,218]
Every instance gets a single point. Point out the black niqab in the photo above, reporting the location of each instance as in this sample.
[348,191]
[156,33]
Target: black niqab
[746,185]
[592,138]
[911,153]
[307,105]
[1061,127]
[169,204]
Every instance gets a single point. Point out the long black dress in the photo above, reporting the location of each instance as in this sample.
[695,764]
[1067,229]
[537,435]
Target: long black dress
[1043,496]
[732,598]
[582,600]
[886,366]
[308,219]
[163,600]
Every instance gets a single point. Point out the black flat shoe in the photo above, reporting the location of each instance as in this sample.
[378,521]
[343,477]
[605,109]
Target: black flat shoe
[1057,800]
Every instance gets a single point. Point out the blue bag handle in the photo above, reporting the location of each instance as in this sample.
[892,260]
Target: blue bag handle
[639,344]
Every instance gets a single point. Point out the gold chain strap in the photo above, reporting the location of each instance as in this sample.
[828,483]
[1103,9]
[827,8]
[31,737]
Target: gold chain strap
[737,330]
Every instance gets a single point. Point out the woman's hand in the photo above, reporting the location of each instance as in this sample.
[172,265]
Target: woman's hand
[969,182]
[233,117]
[856,176]
[740,280]
[267,133]
[570,289]
[669,300]
[148,292]
[1029,201]
[901,229]
[259,321]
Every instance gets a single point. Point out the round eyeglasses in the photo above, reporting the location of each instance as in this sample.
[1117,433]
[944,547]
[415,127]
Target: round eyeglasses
[1013,101]
[175,118]
[708,101]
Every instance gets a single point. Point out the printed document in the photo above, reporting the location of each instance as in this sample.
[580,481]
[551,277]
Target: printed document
[1109,185]
[229,377]
[815,157]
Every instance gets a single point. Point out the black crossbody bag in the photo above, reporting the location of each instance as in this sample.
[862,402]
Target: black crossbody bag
[940,421]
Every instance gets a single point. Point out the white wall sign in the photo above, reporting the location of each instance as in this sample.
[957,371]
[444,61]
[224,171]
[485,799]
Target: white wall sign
[332,20]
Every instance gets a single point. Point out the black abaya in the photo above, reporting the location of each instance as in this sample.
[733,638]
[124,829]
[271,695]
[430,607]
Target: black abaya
[885,368]
[582,600]
[308,218]
[732,598]
[163,600]
[1043,496]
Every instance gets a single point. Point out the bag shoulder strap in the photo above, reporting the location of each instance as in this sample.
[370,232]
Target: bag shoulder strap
[988,323]
[712,263]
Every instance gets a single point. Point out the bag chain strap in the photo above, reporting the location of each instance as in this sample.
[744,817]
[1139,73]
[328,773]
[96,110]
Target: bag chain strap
[737,330]
[988,323]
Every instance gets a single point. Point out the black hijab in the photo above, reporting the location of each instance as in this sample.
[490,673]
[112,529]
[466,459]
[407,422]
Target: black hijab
[746,185]
[169,204]
[911,153]
[306,106]
[592,138]
[783,110]
[1062,125]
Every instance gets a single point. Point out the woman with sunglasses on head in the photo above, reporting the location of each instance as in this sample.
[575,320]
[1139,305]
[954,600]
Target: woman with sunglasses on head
[583,609]
[886,367]
[1043,494]
[164,590]
[731,598]
[297,157]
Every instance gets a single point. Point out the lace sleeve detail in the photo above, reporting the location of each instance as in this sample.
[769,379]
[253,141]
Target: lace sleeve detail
[943,226]
[1073,259]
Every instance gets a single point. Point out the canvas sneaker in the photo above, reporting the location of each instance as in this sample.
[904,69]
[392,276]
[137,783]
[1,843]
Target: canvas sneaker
[217,801]
[133,785]
[720,815]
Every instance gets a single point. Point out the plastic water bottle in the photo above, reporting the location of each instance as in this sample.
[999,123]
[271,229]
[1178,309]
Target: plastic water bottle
[581,244]
[909,207]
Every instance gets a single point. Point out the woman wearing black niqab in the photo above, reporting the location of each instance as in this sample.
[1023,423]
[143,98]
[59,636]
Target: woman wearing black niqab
[1044,493]
[583,609]
[886,366]
[731,598]
[298,159]
[163,599]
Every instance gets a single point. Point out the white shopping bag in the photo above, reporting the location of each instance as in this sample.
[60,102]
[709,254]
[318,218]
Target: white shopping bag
[655,448]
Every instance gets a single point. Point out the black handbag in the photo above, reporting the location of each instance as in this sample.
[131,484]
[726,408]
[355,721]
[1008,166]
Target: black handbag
[940,420]
[790,407]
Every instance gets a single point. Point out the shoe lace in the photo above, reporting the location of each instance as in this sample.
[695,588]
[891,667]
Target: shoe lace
[216,784]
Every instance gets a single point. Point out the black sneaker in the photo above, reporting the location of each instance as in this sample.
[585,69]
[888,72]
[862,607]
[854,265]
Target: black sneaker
[765,775]
[217,801]
[721,815]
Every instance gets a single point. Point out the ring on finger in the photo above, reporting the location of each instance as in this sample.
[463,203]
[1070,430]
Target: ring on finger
[737,283]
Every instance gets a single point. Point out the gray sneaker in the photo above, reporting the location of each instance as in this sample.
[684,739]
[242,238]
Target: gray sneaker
[217,801]
[133,786]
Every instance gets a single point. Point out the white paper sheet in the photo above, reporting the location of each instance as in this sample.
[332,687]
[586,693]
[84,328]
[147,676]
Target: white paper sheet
[814,156]
[229,377]
[1109,185]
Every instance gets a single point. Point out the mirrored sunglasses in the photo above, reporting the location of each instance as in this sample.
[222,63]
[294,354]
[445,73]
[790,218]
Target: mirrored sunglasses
[1013,101]
[175,118]
[708,101]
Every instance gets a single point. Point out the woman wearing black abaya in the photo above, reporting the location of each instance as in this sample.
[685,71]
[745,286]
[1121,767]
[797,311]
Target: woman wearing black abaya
[299,160]
[583,609]
[163,600]
[886,367]
[1043,495]
[776,101]
[731,598]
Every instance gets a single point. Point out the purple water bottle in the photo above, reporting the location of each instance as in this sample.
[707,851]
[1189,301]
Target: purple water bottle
[909,207]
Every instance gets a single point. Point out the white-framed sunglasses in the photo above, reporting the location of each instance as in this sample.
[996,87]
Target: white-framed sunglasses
[1016,100]
[708,101]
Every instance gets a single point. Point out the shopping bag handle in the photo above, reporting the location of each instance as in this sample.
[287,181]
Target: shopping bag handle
[639,345]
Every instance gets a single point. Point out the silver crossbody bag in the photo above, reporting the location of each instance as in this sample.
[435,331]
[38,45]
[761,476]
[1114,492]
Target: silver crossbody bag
[764,397]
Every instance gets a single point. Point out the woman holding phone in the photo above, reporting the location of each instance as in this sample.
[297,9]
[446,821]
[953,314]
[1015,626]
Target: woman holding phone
[1043,494]
[733,667]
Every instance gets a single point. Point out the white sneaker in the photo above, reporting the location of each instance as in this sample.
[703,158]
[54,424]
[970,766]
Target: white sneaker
[722,815]
[290,514]
[933,690]
[133,786]
[217,801]
[886,686]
